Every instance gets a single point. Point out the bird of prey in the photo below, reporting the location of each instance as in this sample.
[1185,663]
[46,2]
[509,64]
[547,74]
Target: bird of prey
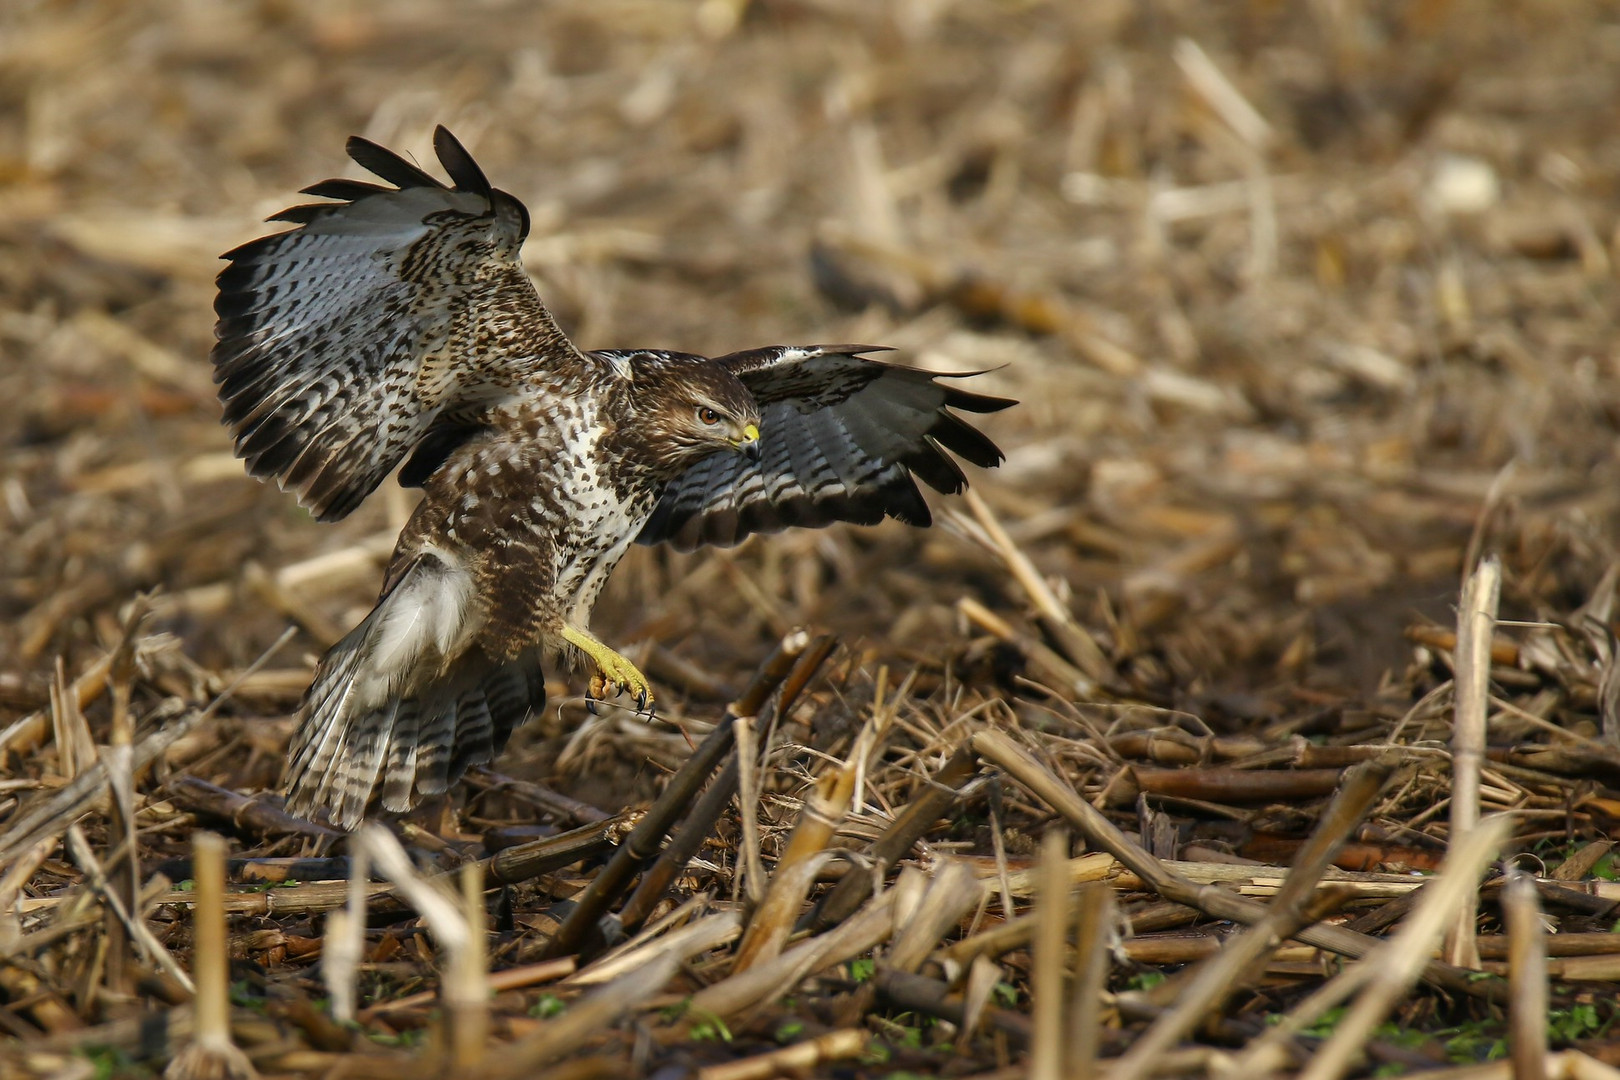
[395,327]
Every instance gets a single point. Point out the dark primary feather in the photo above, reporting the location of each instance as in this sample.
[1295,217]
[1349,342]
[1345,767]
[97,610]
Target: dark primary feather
[390,166]
[842,438]
[342,342]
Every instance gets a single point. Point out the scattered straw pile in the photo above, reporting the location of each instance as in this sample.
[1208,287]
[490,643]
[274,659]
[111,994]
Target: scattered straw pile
[1311,308]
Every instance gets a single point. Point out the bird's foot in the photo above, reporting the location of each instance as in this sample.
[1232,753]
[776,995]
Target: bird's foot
[614,674]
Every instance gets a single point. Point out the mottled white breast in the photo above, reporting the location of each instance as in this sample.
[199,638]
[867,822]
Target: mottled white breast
[601,523]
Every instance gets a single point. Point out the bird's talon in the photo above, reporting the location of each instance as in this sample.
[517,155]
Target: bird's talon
[613,672]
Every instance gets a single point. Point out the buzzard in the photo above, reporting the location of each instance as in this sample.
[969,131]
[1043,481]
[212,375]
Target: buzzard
[395,327]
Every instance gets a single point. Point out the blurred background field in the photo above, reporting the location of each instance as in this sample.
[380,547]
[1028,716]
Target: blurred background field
[1307,304]
[1272,370]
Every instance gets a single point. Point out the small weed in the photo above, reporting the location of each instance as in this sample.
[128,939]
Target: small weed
[1473,1042]
[707,1027]
[1577,1022]
[107,1062]
[907,1035]
[408,1039]
[548,1006]
[1396,1035]
[245,996]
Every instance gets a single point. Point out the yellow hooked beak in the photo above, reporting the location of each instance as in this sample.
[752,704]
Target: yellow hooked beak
[748,441]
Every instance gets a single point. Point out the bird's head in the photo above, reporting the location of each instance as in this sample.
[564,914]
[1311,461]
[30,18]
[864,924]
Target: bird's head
[695,407]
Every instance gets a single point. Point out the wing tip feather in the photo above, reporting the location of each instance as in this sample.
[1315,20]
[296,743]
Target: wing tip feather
[378,159]
[459,163]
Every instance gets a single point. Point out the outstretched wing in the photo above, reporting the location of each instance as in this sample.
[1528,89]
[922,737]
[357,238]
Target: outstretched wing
[841,437]
[342,341]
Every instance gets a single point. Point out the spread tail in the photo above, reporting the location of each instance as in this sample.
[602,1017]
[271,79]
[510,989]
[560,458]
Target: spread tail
[386,709]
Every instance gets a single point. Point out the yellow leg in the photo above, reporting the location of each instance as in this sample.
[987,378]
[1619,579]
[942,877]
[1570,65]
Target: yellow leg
[613,671]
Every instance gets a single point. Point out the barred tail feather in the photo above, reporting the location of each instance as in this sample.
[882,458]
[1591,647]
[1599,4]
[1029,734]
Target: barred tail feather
[404,703]
[411,747]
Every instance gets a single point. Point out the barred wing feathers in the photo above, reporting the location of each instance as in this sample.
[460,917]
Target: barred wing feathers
[842,438]
[341,342]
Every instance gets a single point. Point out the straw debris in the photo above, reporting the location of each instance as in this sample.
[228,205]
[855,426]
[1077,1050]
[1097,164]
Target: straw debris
[1259,716]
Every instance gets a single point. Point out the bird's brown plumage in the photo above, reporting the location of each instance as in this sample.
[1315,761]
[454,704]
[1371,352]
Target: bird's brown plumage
[396,325]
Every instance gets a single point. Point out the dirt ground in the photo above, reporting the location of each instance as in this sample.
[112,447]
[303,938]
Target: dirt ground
[1310,308]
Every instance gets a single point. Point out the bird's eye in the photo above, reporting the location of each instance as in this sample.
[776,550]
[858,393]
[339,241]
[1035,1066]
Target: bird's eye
[708,415]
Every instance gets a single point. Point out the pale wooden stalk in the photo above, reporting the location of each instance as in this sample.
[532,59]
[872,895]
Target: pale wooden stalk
[209,955]
[1222,95]
[791,666]
[771,924]
[1212,981]
[118,759]
[122,870]
[1476,623]
[151,948]
[1046,981]
[793,1060]
[585,1019]
[1417,936]
[499,983]
[23,735]
[693,939]
[437,905]
[211,1052]
[1046,664]
[1527,976]
[75,749]
[953,892]
[753,870]
[823,811]
[908,827]
[12,881]
[346,936]
[466,990]
[1054,614]
[998,844]
[1096,911]
[998,748]
[982,976]
[51,816]
[761,985]
[925,910]
[1574,1065]
[1394,966]
[458,931]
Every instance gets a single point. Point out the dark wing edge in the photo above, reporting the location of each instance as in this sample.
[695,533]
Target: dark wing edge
[845,439]
[320,332]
